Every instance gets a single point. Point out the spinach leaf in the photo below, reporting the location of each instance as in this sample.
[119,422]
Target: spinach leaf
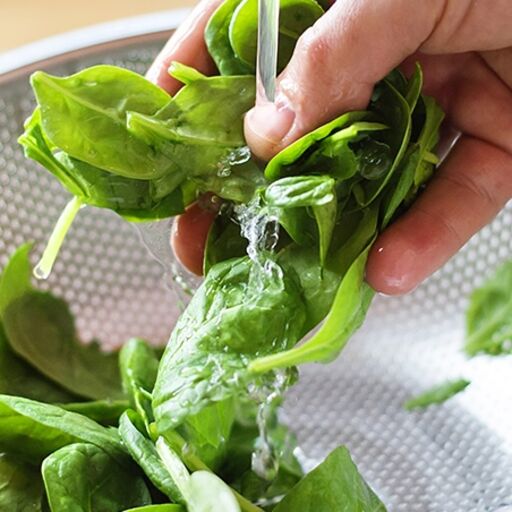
[198,149]
[82,477]
[234,182]
[105,412]
[144,453]
[184,73]
[297,191]
[489,315]
[244,441]
[224,240]
[208,431]
[334,485]
[345,316]
[35,429]
[216,36]
[295,17]
[395,112]
[162,507]
[203,491]
[316,192]
[419,162]
[41,330]
[286,162]
[134,199]
[21,486]
[437,395]
[97,100]
[139,365]
[220,331]
[19,378]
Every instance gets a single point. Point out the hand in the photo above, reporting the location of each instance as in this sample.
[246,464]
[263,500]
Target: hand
[465,49]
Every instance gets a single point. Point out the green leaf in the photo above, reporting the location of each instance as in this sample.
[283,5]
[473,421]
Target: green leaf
[334,485]
[489,315]
[21,486]
[220,331]
[317,192]
[298,191]
[217,40]
[132,198]
[105,412]
[19,378]
[41,330]
[295,17]
[162,507]
[35,429]
[244,440]
[182,119]
[203,491]
[325,216]
[437,395]
[184,73]
[346,315]
[395,112]
[144,453]
[97,100]
[234,182]
[224,241]
[285,162]
[82,477]
[207,431]
[139,366]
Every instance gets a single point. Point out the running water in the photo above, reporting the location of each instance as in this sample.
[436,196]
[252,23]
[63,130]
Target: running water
[261,230]
[264,460]
[156,238]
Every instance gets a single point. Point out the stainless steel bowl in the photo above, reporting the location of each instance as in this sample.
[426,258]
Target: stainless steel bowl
[451,458]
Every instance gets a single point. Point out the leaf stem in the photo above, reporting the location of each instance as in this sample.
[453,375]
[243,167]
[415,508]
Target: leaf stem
[43,269]
[194,463]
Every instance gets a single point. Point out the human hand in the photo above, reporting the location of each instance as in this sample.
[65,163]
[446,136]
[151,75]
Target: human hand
[465,49]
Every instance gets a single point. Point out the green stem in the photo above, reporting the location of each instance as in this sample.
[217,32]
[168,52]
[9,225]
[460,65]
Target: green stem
[43,269]
[481,340]
[194,463]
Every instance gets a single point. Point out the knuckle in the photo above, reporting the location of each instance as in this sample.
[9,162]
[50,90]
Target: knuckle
[315,49]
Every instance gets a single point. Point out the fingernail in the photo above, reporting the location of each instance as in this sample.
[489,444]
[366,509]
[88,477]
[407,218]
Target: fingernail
[270,122]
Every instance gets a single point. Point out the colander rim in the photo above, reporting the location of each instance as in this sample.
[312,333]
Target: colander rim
[83,42]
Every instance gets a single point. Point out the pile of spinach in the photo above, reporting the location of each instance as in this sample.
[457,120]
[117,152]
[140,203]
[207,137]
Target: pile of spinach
[78,433]
[285,256]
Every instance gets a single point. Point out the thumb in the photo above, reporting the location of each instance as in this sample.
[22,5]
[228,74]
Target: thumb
[335,65]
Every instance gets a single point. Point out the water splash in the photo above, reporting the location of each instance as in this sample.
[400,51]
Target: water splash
[260,228]
[156,238]
[265,460]
[235,157]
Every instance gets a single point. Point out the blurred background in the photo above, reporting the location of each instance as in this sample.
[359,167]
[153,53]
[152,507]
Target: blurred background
[25,21]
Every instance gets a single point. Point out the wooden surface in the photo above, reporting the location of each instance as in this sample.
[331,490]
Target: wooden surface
[24,21]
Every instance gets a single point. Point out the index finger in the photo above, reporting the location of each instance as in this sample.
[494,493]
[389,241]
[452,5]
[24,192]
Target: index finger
[187,46]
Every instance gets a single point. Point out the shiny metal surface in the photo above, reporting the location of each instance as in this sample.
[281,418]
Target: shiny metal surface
[452,458]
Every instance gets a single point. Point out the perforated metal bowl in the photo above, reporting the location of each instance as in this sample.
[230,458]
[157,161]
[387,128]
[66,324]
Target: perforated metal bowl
[451,458]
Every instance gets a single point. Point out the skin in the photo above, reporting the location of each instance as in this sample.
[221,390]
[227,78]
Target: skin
[465,48]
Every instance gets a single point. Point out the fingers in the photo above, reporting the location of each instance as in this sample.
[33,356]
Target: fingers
[472,186]
[186,46]
[356,43]
[335,65]
[189,235]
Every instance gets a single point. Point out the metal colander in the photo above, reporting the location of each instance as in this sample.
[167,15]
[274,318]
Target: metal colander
[452,458]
